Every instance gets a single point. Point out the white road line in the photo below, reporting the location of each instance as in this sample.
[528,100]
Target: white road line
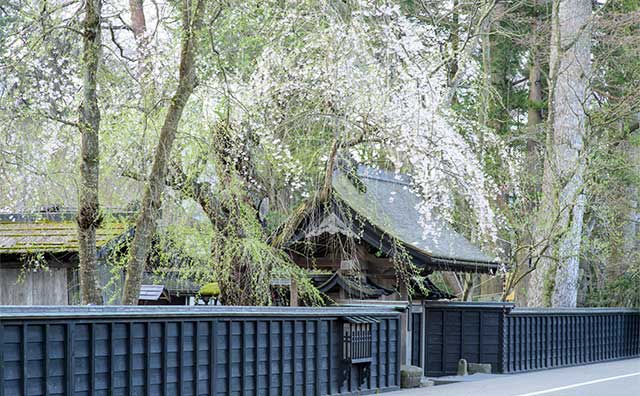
[578,385]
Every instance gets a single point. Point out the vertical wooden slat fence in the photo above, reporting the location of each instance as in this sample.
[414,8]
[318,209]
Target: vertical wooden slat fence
[516,340]
[102,351]
[416,339]
[568,337]
[462,330]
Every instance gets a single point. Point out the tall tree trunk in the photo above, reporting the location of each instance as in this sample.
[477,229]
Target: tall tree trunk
[485,90]
[498,59]
[152,199]
[631,242]
[534,117]
[89,125]
[465,51]
[555,282]
[533,159]
[535,101]
[144,67]
[455,47]
[138,21]
[144,76]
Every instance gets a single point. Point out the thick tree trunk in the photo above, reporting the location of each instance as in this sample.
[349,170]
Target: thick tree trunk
[630,235]
[139,26]
[152,198]
[534,121]
[89,126]
[533,159]
[498,81]
[144,67]
[534,107]
[138,21]
[555,282]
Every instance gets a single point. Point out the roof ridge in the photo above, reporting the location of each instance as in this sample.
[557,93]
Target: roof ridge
[369,172]
[57,217]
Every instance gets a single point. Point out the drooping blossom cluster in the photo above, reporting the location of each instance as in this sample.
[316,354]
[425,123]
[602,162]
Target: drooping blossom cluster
[375,73]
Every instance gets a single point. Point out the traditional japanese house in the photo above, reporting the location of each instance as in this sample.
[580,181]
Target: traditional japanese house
[372,217]
[39,257]
[352,240]
[39,262]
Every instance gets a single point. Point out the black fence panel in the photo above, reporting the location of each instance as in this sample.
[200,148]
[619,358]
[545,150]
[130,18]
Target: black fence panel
[453,331]
[192,351]
[538,339]
[517,340]
[416,338]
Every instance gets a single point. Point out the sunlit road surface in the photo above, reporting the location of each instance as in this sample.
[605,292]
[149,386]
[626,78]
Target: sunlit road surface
[619,378]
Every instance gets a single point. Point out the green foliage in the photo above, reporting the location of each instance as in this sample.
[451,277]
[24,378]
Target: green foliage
[622,291]
[281,127]
[211,289]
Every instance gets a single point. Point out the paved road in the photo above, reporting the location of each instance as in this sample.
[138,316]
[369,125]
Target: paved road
[619,378]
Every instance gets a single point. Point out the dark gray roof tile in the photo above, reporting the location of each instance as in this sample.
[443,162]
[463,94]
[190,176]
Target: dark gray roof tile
[389,204]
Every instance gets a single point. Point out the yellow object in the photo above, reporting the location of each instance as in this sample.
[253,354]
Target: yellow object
[210,290]
[511,297]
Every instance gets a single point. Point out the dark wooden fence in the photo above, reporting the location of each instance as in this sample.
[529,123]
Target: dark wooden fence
[536,339]
[193,351]
[462,330]
[516,340]
[416,338]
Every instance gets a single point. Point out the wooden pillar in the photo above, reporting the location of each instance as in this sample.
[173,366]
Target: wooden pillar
[293,291]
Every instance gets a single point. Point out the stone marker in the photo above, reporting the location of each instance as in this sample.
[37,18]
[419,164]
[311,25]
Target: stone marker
[425,382]
[462,367]
[410,376]
[475,368]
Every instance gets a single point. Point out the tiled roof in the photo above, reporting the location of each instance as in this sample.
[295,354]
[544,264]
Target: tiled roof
[386,200]
[47,232]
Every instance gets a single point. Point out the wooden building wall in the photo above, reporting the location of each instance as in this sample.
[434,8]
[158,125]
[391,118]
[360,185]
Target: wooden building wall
[37,288]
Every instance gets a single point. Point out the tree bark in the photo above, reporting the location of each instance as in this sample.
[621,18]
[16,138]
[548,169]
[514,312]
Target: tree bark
[138,21]
[497,79]
[534,118]
[534,105]
[144,67]
[455,45]
[139,27]
[146,222]
[453,281]
[468,48]
[467,292]
[485,90]
[533,159]
[88,217]
[555,281]
[630,243]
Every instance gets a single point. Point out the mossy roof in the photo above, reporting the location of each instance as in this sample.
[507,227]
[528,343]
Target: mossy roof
[45,233]
[390,207]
